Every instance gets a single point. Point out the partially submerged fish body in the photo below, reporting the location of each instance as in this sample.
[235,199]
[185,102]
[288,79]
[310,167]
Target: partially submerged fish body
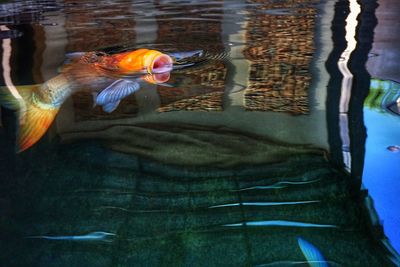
[97,70]
[109,77]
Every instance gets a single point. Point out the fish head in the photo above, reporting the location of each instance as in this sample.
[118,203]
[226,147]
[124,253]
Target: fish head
[151,61]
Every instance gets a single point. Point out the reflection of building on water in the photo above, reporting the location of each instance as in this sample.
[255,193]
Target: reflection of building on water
[204,89]
[192,28]
[280,48]
[206,84]
[90,31]
[18,12]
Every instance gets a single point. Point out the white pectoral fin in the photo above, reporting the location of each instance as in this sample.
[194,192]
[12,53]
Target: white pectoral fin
[117,91]
[111,106]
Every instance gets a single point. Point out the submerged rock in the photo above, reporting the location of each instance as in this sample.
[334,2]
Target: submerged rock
[193,145]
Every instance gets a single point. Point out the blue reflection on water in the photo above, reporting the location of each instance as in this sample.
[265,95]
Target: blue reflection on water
[382,170]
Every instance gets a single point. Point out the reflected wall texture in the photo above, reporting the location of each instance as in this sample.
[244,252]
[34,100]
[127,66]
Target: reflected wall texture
[199,25]
[280,47]
[95,25]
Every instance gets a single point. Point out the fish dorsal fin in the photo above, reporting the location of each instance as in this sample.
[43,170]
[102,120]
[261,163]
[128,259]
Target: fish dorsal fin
[73,56]
[187,54]
[70,58]
[116,91]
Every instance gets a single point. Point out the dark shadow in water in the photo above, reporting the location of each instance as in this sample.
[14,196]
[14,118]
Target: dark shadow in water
[359,91]
[360,88]
[334,85]
[360,85]
[7,143]
[24,58]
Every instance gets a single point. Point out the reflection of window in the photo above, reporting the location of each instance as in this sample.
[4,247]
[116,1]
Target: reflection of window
[204,89]
[280,49]
[200,87]
[88,31]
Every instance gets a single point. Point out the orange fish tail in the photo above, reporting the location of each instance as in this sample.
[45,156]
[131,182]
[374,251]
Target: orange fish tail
[33,125]
[34,117]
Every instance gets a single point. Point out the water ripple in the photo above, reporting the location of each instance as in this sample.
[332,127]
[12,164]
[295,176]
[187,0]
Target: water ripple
[93,236]
[265,203]
[281,223]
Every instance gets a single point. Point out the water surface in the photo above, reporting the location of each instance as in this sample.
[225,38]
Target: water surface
[251,154]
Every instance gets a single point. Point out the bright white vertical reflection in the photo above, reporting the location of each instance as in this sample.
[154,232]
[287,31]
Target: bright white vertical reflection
[351,25]
[6,44]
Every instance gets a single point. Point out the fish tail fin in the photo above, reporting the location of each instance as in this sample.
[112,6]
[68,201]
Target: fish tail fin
[34,119]
[34,124]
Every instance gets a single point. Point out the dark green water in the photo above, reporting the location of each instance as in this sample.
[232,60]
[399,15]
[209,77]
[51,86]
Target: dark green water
[249,149]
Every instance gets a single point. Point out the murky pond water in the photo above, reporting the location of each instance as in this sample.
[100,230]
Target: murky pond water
[239,139]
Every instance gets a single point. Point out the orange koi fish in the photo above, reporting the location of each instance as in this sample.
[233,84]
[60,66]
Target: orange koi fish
[109,77]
